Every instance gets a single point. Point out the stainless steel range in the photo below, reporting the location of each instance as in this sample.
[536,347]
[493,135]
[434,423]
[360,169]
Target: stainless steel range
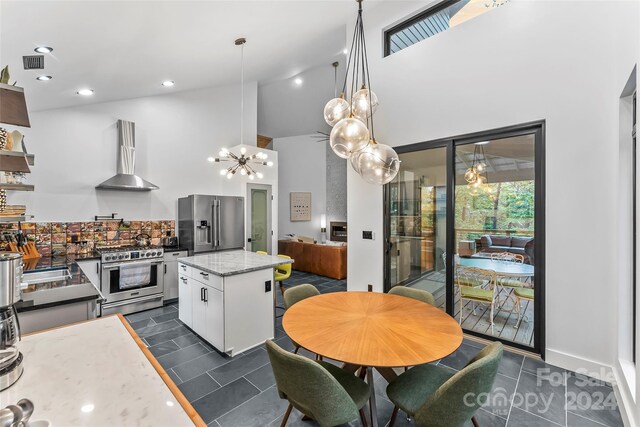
[132,279]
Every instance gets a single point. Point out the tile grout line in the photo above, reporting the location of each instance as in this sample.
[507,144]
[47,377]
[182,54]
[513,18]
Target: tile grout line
[586,418]
[214,380]
[237,406]
[515,391]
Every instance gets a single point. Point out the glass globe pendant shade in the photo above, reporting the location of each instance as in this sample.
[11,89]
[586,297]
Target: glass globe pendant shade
[378,163]
[360,104]
[336,110]
[347,136]
[471,175]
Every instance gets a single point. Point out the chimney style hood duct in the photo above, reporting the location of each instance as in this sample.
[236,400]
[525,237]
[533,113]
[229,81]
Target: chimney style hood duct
[126,179]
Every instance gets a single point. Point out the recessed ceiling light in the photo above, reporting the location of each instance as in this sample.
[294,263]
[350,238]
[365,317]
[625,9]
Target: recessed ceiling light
[345,51]
[85,92]
[168,83]
[44,78]
[298,81]
[43,49]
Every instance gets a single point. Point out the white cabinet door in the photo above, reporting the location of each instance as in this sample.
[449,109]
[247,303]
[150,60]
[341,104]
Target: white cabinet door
[214,306]
[198,307]
[170,280]
[91,269]
[185,303]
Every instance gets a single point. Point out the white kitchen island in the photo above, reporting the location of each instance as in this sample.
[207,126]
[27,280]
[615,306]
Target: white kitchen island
[228,298]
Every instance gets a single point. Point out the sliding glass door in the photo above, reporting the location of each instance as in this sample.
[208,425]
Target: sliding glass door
[417,221]
[464,220]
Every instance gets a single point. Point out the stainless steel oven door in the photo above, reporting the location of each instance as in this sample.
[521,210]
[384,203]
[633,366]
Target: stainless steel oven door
[116,288]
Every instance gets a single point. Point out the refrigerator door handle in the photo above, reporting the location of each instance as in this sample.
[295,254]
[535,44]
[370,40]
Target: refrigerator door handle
[218,225]
[214,225]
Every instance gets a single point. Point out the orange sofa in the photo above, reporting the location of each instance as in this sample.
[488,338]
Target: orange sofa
[325,260]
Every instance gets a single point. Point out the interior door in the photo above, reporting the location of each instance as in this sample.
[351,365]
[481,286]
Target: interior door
[230,222]
[259,217]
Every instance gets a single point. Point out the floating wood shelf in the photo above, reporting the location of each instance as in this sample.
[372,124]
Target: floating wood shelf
[17,187]
[13,107]
[21,218]
[13,161]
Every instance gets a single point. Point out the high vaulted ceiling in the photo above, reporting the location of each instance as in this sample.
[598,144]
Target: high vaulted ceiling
[125,49]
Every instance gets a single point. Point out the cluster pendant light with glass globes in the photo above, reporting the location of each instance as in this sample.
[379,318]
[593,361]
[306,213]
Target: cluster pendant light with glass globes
[352,136]
[243,164]
[476,174]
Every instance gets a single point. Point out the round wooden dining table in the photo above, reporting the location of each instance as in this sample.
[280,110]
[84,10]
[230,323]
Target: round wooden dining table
[372,330]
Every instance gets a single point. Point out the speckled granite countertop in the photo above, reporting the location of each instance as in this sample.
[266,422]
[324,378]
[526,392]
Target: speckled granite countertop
[93,374]
[230,263]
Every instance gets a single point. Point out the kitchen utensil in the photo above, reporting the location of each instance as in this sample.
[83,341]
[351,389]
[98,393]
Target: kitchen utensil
[143,240]
[27,410]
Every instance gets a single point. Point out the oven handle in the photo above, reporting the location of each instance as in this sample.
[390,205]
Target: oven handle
[131,301]
[120,264]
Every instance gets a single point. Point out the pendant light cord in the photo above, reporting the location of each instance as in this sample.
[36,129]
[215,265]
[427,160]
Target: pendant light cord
[242,94]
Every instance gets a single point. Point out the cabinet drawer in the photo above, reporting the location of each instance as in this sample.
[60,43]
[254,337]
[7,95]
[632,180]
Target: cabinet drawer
[184,270]
[208,279]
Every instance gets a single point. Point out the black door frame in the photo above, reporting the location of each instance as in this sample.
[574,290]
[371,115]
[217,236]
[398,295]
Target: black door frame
[538,129]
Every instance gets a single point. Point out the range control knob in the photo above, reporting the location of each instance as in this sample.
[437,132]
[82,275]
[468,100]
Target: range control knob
[107,258]
[120,256]
[153,254]
[148,254]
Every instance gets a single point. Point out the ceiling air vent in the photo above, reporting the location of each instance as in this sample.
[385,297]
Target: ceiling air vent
[33,62]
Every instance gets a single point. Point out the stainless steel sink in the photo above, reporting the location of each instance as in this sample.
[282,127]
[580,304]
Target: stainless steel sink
[53,275]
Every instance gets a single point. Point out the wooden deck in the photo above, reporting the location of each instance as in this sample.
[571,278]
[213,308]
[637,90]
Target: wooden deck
[505,321]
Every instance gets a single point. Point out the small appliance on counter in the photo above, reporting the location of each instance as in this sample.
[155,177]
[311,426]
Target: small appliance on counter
[211,223]
[169,241]
[10,358]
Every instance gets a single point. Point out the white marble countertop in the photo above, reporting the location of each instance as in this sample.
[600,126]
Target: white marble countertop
[229,263]
[93,374]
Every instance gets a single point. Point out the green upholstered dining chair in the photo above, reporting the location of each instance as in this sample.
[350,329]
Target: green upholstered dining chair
[435,397]
[417,294]
[296,294]
[320,390]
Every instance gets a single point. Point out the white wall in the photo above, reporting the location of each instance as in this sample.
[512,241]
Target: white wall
[286,109]
[303,168]
[75,149]
[526,61]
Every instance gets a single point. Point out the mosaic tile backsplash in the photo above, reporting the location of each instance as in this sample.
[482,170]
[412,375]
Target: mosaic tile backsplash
[69,238]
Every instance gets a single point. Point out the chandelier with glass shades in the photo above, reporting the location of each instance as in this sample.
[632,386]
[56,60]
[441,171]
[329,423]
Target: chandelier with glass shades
[243,164]
[352,136]
[476,174]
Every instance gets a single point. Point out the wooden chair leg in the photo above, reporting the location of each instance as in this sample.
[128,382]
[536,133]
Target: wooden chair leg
[281,283]
[286,415]
[394,414]
[296,350]
[474,420]
[363,417]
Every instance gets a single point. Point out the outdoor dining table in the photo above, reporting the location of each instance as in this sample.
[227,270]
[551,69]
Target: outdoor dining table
[501,268]
[372,330]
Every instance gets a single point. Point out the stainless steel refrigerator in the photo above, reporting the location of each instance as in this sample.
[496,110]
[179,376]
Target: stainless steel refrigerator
[211,223]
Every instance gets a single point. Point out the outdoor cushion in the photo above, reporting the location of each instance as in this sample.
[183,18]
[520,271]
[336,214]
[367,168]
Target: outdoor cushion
[477,294]
[524,293]
[469,281]
[510,283]
[520,242]
[410,392]
[500,240]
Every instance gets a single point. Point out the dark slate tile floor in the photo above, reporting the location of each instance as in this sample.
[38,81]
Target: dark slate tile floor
[241,391]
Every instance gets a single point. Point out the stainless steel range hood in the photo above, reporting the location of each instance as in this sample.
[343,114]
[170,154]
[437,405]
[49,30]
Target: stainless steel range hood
[126,179]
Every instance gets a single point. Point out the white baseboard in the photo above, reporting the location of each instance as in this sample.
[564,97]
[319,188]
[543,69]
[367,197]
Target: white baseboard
[624,396]
[580,365]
